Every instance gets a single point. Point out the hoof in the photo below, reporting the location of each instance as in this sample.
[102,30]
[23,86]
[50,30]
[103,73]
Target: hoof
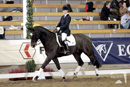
[98,78]
[35,79]
[63,80]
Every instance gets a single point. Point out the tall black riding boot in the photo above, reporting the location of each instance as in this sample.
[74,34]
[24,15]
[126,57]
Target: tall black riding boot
[66,48]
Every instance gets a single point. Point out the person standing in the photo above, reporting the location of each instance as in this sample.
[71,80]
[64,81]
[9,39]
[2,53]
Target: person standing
[63,27]
[105,11]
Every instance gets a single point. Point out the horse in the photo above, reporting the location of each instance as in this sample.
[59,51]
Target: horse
[53,50]
[101,48]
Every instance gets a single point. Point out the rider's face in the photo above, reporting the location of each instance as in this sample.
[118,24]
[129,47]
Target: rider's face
[65,11]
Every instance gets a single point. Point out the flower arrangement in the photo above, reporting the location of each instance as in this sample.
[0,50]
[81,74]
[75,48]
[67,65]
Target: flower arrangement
[17,71]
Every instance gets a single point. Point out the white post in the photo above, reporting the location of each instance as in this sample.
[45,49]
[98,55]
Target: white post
[46,1]
[3,1]
[67,2]
[24,18]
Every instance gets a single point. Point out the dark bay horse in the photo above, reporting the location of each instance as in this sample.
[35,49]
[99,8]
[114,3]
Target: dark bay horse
[52,49]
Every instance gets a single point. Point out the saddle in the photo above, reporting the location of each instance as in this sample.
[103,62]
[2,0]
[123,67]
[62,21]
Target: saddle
[70,40]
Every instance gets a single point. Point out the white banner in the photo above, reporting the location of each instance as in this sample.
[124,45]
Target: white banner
[17,52]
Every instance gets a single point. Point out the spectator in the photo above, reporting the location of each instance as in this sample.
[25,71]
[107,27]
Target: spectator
[123,9]
[8,18]
[2,33]
[127,2]
[115,4]
[108,14]
[105,11]
[115,13]
[125,19]
[13,9]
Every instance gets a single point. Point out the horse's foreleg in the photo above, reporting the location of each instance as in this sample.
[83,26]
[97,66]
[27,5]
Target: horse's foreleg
[62,74]
[59,68]
[80,63]
[48,59]
[76,72]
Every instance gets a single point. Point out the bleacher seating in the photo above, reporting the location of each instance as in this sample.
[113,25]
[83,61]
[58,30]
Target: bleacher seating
[58,14]
[84,31]
[49,5]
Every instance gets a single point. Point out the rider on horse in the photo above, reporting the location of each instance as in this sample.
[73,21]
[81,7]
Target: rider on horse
[63,27]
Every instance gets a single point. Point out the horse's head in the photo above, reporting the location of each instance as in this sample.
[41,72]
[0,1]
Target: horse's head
[35,35]
[39,32]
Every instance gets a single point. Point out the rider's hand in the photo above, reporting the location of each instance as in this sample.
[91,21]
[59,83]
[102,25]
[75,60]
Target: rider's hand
[58,28]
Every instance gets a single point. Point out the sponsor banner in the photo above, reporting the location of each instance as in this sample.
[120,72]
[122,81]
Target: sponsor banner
[17,52]
[112,50]
[106,50]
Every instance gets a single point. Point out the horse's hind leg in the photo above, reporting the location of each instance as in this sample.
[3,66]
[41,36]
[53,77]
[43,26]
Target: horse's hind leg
[56,61]
[96,64]
[80,63]
[90,54]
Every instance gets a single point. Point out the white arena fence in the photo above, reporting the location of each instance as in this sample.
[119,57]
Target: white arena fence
[101,72]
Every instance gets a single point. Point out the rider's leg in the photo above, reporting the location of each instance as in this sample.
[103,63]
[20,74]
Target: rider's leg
[64,36]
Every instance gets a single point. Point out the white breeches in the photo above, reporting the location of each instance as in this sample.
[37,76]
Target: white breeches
[63,36]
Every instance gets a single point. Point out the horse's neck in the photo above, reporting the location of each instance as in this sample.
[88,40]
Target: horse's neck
[46,37]
[45,31]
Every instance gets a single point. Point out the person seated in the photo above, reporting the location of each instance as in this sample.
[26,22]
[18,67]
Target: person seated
[125,19]
[123,9]
[115,4]
[127,2]
[2,33]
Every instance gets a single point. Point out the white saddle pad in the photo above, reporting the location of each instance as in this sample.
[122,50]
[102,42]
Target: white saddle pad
[71,40]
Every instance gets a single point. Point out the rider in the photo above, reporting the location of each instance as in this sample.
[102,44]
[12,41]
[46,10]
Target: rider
[63,27]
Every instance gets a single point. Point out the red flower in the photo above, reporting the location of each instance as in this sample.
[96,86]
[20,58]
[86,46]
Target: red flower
[32,0]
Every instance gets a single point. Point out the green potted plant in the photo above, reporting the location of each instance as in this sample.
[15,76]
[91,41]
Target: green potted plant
[30,66]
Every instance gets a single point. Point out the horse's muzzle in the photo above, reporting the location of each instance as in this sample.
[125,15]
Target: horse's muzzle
[33,44]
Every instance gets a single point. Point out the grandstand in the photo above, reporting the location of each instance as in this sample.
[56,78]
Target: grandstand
[48,12]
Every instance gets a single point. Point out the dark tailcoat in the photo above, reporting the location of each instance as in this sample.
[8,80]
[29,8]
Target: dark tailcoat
[64,24]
